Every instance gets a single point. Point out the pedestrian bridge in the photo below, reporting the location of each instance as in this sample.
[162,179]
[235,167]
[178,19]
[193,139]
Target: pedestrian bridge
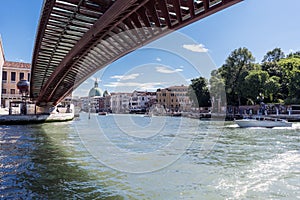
[76,38]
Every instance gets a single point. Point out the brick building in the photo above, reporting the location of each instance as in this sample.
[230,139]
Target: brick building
[174,98]
[12,73]
[2,59]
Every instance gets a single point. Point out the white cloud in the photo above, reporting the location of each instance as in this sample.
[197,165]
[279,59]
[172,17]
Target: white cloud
[125,77]
[158,59]
[166,70]
[195,48]
[136,85]
[81,92]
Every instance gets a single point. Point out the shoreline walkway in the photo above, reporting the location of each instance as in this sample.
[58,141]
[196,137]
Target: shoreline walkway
[34,119]
[21,119]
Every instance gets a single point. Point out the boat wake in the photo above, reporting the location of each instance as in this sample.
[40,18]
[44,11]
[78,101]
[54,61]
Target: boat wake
[263,177]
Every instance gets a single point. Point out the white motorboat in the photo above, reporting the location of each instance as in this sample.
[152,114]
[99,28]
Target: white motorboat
[260,121]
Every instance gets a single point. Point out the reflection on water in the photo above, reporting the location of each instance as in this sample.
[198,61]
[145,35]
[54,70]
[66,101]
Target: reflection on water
[49,161]
[40,161]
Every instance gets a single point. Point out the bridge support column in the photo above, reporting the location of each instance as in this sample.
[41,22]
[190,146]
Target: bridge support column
[44,109]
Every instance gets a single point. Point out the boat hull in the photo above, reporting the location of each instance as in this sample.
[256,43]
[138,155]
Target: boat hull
[246,123]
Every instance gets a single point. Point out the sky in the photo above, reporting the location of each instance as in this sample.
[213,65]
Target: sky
[193,51]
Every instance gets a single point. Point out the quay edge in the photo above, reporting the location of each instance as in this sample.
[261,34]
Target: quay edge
[35,119]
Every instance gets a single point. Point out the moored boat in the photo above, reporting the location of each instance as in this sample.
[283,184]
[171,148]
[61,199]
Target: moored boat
[102,113]
[260,121]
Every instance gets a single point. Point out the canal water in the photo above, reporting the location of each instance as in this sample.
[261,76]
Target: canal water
[139,157]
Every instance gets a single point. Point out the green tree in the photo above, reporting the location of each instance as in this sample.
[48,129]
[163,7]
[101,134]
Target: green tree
[217,90]
[294,87]
[295,54]
[272,88]
[199,93]
[272,68]
[254,85]
[288,67]
[274,56]
[234,71]
[270,62]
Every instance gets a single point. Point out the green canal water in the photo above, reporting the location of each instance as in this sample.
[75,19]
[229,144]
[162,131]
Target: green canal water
[137,157]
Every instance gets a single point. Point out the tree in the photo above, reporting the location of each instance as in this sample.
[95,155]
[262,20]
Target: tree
[272,88]
[296,54]
[288,67]
[272,68]
[270,62]
[198,92]
[234,71]
[217,91]
[273,56]
[294,86]
[254,84]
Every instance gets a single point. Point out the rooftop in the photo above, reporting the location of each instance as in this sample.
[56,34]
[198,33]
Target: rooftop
[17,65]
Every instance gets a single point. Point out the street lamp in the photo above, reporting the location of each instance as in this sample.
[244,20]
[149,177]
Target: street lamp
[260,98]
[23,86]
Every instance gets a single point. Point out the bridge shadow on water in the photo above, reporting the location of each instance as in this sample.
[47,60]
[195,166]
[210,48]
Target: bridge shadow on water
[39,162]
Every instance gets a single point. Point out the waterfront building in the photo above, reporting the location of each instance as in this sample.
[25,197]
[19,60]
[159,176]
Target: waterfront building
[104,102]
[12,73]
[94,96]
[2,59]
[120,102]
[84,103]
[174,98]
[141,101]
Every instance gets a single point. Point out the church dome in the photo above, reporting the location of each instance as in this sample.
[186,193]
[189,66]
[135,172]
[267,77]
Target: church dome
[95,91]
[106,93]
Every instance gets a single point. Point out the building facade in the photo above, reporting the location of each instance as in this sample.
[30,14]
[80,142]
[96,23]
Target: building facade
[104,102]
[12,73]
[141,101]
[120,102]
[2,59]
[91,103]
[174,98]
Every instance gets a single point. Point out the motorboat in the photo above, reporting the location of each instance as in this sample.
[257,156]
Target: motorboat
[102,113]
[262,121]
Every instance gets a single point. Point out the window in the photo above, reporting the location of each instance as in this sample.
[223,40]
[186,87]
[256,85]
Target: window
[4,76]
[3,91]
[28,76]
[13,76]
[12,91]
[22,75]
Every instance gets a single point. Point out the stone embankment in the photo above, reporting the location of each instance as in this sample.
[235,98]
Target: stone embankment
[33,119]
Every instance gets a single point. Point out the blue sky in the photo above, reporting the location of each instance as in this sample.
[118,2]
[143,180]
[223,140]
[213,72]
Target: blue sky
[259,25]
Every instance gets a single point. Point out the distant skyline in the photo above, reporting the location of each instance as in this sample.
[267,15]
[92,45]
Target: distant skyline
[259,25]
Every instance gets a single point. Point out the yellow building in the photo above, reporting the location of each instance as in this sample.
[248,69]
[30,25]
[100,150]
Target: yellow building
[12,73]
[2,59]
[174,98]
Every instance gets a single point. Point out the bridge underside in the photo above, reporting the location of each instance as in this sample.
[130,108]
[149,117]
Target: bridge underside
[76,38]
